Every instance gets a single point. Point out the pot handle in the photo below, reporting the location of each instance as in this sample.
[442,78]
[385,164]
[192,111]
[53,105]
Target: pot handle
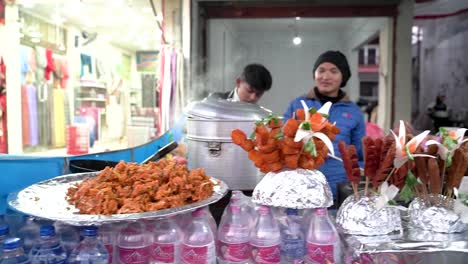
[214,148]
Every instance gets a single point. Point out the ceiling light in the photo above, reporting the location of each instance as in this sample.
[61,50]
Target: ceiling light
[297,40]
[298,18]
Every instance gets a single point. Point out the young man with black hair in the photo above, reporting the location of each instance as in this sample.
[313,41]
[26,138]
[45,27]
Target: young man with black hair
[250,85]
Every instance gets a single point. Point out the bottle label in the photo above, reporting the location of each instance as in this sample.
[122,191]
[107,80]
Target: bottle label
[266,255]
[234,252]
[294,248]
[163,253]
[110,250]
[318,253]
[134,255]
[197,255]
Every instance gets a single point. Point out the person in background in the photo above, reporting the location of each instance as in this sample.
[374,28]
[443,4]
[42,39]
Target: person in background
[439,113]
[331,73]
[253,82]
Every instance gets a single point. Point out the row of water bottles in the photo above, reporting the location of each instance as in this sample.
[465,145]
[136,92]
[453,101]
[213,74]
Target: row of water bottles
[141,242]
[246,234]
[271,236]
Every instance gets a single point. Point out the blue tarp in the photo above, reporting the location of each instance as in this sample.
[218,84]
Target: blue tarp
[20,171]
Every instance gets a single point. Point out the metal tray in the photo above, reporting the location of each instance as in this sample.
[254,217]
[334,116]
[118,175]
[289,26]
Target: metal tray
[47,200]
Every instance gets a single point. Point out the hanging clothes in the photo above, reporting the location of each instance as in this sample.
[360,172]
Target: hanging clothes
[65,75]
[50,67]
[41,63]
[24,63]
[59,118]
[173,88]
[86,60]
[57,71]
[3,123]
[43,114]
[32,112]
[51,116]
[25,116]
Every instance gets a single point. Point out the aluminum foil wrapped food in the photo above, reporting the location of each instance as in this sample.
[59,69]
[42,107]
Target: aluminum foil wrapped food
[438,216]
[300,189]
[361,217]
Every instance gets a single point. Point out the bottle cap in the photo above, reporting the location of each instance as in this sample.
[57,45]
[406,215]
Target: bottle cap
[90,231]
[47,230]
[198,212]
[4,230]
[292,211]
[320,211]
[263,210]
[11,243]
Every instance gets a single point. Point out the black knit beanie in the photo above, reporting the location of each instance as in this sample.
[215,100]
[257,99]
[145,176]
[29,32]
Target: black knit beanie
[337,58]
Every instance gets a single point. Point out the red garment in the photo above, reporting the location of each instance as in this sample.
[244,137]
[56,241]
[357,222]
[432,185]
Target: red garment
[50,64]
[3,125]
[25,117]
[65,75]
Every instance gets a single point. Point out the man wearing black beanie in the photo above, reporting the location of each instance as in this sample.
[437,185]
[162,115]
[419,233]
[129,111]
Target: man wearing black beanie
[331,72]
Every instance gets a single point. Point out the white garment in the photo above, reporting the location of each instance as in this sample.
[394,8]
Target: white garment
[235,96]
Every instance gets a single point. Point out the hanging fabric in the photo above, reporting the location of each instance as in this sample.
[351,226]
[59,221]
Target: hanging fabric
[180,98]
[166,92]
[3,109]
[43,114]
[32,112]
[24,63]
[41,63]
[25,116]
[50,64]
[86,60]
[59,117]
[65,75]
[160,91]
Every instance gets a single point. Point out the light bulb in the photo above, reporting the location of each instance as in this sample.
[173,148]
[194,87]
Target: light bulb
[297,40]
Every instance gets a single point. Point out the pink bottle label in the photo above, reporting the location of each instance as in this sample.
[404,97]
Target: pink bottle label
[266,255]
[320,253]
[134,255]
[110,250]
[194,255]
[234,252]
[163,252]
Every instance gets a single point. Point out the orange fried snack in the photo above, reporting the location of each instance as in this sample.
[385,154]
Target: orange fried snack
[274,148]
[133,188]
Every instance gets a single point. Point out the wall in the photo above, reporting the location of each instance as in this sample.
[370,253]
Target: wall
[444,60]
[291,66]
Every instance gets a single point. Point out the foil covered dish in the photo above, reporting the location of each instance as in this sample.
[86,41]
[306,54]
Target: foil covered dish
[127,192]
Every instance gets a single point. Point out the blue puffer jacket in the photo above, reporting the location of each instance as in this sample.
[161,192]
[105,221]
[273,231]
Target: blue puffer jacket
[349,119]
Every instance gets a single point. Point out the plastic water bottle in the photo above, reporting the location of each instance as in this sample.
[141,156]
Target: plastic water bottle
[108,236]
[133,244]
[322,239]
[211,221]
[198,244]
[233,235]
[167,238]
[265,238]
[47,249]
[69,235]
[29,234]
[292,238]
[13,253]
[90,250]
[4,232]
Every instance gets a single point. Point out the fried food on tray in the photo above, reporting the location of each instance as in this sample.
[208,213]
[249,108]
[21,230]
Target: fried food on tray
[133,188]
[272,145]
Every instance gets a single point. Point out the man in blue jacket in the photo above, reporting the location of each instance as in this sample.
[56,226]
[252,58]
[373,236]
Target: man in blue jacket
[331,72]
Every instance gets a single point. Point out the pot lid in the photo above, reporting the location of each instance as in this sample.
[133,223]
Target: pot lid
[214,107]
